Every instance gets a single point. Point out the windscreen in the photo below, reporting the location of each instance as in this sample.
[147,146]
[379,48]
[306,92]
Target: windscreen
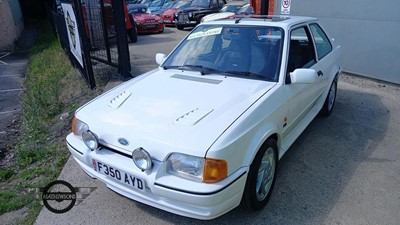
[248,51]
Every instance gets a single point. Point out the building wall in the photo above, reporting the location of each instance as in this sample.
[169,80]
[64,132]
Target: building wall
[367,30]
[10,29]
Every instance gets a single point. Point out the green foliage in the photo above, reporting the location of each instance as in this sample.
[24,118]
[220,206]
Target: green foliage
[10,201]
[47,67]
[6,173]
[39,157]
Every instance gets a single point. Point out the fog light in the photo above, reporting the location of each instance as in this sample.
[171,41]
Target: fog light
[90,140]
[142,159]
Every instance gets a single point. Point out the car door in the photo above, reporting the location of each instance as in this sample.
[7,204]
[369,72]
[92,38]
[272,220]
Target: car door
[301,97]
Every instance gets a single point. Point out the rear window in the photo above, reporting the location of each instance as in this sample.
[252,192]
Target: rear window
[322,42]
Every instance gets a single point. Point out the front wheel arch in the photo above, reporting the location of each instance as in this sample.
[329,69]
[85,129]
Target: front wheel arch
[261,177]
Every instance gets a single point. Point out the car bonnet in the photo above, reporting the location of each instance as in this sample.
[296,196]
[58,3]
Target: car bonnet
[171,111]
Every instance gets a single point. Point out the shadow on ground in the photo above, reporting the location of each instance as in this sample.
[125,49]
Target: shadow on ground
[317,168]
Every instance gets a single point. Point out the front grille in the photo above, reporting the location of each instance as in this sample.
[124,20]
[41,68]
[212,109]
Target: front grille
[183,17]
[113,150]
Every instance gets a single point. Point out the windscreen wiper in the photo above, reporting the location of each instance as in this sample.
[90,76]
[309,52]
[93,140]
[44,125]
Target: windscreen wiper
[170,67]
[203,70]
[249,74]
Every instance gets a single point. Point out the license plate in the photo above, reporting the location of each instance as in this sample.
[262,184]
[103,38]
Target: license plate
[119,175]
[149,26]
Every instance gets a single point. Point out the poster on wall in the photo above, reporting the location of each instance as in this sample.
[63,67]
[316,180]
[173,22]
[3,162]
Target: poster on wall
[72,30]
[285,7]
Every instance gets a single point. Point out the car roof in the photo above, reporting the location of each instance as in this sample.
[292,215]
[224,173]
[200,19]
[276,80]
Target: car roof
[256,20]
[135,6]
[238,3]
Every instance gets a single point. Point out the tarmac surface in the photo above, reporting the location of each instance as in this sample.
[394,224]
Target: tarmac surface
[344,169]
[13,66]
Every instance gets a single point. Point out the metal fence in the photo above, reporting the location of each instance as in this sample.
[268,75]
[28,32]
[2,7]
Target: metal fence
[101,34]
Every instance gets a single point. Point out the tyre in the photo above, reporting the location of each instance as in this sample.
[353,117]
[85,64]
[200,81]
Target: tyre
[330,100]
[261,178]
[161,31]
[132,33]
[179,27]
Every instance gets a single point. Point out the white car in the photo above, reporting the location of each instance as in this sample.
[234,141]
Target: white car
[204,131]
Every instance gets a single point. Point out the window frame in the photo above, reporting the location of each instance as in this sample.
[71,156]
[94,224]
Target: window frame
[313,50]
[315,42]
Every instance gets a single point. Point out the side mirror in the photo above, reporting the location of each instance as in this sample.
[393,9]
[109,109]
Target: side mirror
[303,76]
[160,57]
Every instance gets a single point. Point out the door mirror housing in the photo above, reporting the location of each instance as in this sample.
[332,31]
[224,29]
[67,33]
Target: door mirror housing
[303,76]
[160,57]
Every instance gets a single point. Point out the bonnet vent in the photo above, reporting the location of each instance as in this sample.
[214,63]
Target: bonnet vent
[193,117]
[118,100]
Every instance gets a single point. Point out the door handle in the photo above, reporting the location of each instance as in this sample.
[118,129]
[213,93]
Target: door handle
[320,73]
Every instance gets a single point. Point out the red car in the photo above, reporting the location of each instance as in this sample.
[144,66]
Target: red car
[168,16]
[109,21]
[145,21]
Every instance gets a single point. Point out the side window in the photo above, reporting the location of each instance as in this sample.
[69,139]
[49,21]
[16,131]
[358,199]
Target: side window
[214,3]
[301,50]
[322,42]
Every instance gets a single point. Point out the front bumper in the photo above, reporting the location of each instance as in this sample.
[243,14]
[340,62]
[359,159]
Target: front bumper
[150,27]
[169,21]
[164,191]
[187,23]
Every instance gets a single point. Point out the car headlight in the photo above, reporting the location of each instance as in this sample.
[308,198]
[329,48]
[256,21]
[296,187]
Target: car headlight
[176,14]
[190,14]
[137,22]
[90,139]
[197,168]
[78,127]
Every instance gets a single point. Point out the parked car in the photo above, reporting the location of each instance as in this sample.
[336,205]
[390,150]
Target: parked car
[230,9]
[205,130]
[145,21]
[169,15]
[162,9]
[192,15]
[109,23]
[158,4]
[145,2]
[133,1]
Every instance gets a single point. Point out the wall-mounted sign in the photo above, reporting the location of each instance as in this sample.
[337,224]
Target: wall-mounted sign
[72,31]
[285,7]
